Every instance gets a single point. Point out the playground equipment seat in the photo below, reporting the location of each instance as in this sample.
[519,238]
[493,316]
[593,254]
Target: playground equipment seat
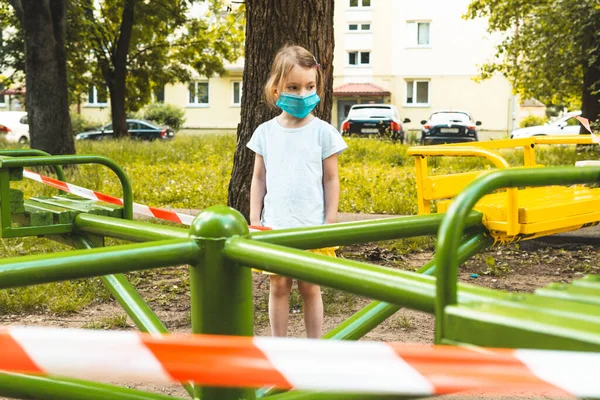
[585,290]
[517,213]
[42,215]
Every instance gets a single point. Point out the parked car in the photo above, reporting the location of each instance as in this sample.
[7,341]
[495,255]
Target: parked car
[14,127]
[374,119]
[565,125]
[449,127]
[138,129]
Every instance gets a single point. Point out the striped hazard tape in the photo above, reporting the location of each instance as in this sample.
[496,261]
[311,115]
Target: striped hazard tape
[302,364]
[139,209]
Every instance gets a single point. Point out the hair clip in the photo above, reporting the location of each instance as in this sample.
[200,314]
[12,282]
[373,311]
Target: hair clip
[317,65]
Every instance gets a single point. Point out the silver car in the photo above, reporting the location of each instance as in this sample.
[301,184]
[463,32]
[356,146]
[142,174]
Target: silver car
[563,126]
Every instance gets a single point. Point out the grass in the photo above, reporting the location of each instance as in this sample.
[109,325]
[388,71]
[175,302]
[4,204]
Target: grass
[116,321]
[193,172]
[58,298]
[402,322]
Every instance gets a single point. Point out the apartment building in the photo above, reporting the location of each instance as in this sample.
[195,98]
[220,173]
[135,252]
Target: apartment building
[421,56]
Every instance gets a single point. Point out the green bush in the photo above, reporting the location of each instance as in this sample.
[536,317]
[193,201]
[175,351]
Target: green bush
[79,123]
[165,114]
[533,120]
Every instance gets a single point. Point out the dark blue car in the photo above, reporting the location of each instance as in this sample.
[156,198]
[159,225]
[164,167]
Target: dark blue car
[138,129]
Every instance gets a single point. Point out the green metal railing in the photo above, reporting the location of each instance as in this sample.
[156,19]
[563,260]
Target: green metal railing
[453,224]
[60,173]
[43,161]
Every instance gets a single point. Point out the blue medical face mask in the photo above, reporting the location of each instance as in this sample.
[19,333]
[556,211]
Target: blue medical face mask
[296,105]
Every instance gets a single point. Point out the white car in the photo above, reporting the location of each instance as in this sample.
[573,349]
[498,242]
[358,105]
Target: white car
[14,127]
[565,125]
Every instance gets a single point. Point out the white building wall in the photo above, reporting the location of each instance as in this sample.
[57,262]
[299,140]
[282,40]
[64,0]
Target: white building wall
[449,62]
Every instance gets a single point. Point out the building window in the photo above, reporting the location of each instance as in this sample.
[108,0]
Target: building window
[198,93]
[359,27]
[360,3]
[418,33]
[97,97]
[237,93]
[417,92]
[159,95]
[359,58]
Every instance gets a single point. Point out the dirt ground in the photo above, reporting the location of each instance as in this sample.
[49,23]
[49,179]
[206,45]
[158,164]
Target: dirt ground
[515,268]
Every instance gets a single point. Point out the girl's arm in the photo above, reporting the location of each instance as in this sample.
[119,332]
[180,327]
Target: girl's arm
[331,187]
[258,189]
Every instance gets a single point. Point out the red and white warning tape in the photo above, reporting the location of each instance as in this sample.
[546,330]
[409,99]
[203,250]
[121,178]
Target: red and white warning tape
[302,364]
[139,209]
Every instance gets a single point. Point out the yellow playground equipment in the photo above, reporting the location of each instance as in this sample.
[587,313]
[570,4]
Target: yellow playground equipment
[516,213]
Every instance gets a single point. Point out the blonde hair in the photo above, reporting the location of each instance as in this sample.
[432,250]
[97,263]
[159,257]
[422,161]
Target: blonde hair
[285,59]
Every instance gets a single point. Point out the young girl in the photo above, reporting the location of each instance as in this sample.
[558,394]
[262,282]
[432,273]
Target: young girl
[295,181]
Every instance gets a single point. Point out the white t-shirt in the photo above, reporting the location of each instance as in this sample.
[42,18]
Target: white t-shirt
[294,164]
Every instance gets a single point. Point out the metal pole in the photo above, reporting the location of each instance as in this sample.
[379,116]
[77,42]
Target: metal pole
[21,386]
[367,319]
[360,231]
[135,231]
[221,291]
[30,270]
[60,173]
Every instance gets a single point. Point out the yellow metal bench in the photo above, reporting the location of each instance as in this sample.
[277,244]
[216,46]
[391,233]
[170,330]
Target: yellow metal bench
[514,214]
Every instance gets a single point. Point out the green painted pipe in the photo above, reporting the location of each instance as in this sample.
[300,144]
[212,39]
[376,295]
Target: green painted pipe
[45,268]
[135,231]
[360,231]
[131,301]
[412,290]
[300,395]
[33,387]
[453,223]
[376,282]
[76,159]
[367,319]
[60,173]
[221,291]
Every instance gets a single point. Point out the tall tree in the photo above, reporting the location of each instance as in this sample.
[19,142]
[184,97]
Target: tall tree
[43,24]
[271,24]
[550,50]
[140,45]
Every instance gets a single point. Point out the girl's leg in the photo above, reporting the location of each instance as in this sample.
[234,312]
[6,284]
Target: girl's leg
[279,304]
[313,309]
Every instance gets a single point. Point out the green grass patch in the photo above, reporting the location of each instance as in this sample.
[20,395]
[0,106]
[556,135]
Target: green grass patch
[59,298]
[116,321]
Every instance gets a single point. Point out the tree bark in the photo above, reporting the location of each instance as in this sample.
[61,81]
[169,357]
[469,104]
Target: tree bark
[270,24]
[590,98]
[44,29]
[117,87]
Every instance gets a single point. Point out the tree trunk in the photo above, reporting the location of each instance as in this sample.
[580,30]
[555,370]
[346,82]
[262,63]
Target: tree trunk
[270,24]
[590,99]
[117,86]
[44,29]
